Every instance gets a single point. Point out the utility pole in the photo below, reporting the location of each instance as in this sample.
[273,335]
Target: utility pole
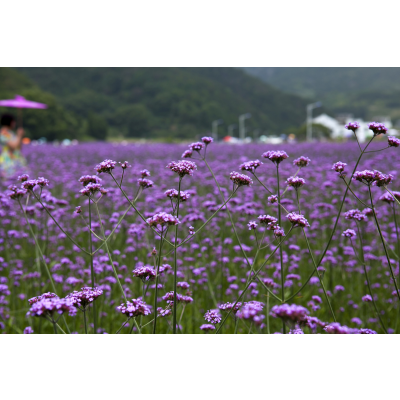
[242,127]
[214,128]
[310,108]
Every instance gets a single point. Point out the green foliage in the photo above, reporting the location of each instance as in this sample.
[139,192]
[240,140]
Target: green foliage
[97,126]
[169,103]
[364,92]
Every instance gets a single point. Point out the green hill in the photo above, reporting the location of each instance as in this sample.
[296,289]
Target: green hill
[167,102]
[53,123]
[364,92]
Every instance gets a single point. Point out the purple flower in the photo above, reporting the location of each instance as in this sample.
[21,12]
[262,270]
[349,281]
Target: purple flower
[297,220]
[387,198]
[339,166]
[352,126]
[134,308]
[355,214]
[296,331]
[173,194]
[295,182]
[182,167]
[187,154]
[125,165]
[28,330]
[273,199]
[250,165]
[213,316]
[290,312]
[207,327]
[252,225]
[250,310]
[144,273]
[105,166]
[145,183]
[23,177]
[86,179]
[377,128]
[196,146]
[302,162]
[349,233]
[367,298]
[85,297]
[393,142]
[240,179]
[275,156]
[162,219]
[48,295]
[49,306]
[144,173]
[207,140]
[230,306]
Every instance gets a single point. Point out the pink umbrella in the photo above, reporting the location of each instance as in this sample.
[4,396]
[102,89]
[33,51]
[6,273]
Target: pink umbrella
[20,102]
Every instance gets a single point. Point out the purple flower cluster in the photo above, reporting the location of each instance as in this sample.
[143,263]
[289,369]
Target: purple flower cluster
[145,273]
[182,167]
[230,306]
[86,296]
[145,183]
[162,218]
[169,298]
[53,305]
[352,126]
[276,156]
[48,295]
[339,166]
[349,233]
[393,142]
[290,312]
[377,128]
[134,308]
[173,194]
[302,162]
[297,220]
[356,215]
[213,316]
[295,182]
[240,179]
[105,166]
[250,165]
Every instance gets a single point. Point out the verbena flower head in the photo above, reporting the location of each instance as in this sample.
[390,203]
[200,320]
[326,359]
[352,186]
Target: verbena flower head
[78,210]
[162,218]
[42,182]
[173,194]
[356,215]
[273,199]
[23,178]
[268,220]
[250,309]
[250,165]
[124,165]
[105,166]
[302,162]
[366,331]
[29,184]
[16,193]
[86,179]
[28,330]
[352,126]
[213,316]
[207,140]
[387,198]
[276,156]
[196,146]
[187,154]
[339,166]
[349,233]
[240,179]
[145,273]
[336,328]
[50,306]
[207,327]
[145,183]
[367,298]
[393,142]
[296,331]
[252,225]
[290,312]
[48,295]
[134,308]
[230,306]
[382,180]
[295,181]
[144,173]
[377,128]
[169,298]
[92,188]
[297,220]
[182,167]
[86,296]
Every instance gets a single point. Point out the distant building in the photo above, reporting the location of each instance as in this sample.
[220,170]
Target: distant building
[338,131]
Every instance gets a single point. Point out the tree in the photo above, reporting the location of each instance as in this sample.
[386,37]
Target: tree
[97,126]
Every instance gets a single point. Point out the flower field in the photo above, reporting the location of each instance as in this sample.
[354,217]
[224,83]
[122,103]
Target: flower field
[215,239]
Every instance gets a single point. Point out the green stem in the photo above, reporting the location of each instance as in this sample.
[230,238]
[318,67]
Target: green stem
[383,243]
[156,289]
[92,268]
[175,258]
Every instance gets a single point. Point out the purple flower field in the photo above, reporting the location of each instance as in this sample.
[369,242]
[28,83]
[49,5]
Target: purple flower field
[90,248]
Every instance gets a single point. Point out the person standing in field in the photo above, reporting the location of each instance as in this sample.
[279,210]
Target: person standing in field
[11,159]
